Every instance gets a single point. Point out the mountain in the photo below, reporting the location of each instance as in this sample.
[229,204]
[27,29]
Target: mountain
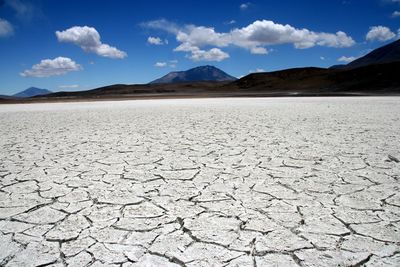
[32,91]
[385,54]
[202,73]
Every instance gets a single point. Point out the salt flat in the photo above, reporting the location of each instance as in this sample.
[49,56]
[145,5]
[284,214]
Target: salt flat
[223,182]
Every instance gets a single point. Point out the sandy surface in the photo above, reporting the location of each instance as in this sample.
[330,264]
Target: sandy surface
[223,182]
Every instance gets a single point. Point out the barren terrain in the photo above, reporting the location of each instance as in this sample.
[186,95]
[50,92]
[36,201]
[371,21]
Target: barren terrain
[201,182]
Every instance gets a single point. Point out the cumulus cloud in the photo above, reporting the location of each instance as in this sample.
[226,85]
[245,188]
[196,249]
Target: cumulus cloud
[214,54]
[6,29]
[346,59]
[396,14]
[379,33]
[266,32]
[160,64]
[89,40]
[155,40]
[197,54]
[258,50]
[253,37]
[52,67]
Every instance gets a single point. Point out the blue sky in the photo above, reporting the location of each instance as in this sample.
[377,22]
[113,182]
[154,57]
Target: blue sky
[76,45]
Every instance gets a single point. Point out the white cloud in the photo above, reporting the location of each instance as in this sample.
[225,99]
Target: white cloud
[155,41]
[254,37]
[160,64]
[170,63]
[68,86]
[245,6]
[379,33]
[266,32]
[214,54]
[197,54]
[259,50]
[230,22]
[396,14]
[52,67]
[89,40]
[6,29]
[346,59]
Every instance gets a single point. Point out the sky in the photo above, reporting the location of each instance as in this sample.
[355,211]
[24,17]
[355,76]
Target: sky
[68,45]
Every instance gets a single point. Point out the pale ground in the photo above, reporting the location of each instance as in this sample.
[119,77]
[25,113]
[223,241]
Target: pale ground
[206,182]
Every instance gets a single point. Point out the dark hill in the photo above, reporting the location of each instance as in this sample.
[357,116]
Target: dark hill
[385,54]
[378,79]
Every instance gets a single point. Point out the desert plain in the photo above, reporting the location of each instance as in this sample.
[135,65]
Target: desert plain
[201,182]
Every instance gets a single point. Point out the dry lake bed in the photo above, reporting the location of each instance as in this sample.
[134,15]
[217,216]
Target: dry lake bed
[203,182]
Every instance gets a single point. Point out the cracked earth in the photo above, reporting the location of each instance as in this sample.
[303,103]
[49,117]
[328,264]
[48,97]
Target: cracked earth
[206,182]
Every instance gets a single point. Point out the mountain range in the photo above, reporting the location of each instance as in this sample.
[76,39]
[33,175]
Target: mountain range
[374,74]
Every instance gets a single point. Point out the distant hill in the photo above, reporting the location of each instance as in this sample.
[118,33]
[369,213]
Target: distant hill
[385,54]
[6,97]
[32,91]
[202,73]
